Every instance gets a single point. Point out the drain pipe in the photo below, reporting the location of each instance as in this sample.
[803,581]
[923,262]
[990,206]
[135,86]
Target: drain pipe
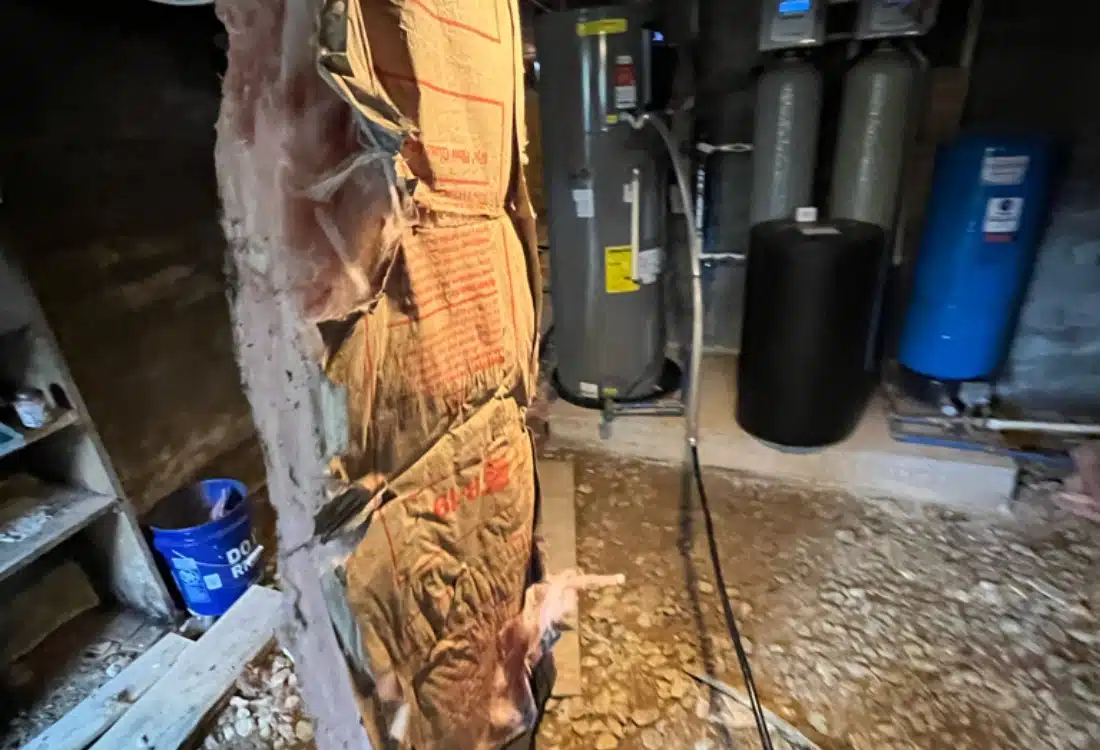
[993,424]
[1025,425]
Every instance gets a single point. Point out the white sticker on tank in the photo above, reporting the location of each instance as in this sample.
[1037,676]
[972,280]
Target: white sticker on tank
[1002,215]
[589,390]
[812,230]
[1004,170]
[585,203]
[649,265]
[626,97]
[805,214]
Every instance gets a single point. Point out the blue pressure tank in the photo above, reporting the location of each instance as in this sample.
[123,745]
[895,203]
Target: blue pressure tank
[983,224]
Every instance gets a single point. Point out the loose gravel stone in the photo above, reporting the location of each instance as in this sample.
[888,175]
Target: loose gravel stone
[607,741]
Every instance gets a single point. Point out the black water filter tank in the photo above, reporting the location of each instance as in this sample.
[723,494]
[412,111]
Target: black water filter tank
[806,368]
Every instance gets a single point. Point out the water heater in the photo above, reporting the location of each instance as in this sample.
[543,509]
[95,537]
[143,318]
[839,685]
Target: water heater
[983,224]
[606,200]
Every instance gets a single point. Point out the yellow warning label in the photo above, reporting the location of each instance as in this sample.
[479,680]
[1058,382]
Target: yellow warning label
[603,26]
[612,119]
[618,272]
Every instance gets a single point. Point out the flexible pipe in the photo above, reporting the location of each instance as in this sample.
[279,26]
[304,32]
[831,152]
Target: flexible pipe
[694,251]
[692,412]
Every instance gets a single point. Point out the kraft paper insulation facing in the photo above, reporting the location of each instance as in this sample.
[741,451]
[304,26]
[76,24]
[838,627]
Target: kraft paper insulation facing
[382,174]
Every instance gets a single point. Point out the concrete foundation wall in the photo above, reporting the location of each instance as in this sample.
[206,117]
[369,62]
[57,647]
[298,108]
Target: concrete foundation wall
[106,160]
[1035,70]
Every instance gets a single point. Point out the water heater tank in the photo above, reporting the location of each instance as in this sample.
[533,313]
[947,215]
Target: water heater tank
[788,111]
[870,146]
[983,225]
[609,333]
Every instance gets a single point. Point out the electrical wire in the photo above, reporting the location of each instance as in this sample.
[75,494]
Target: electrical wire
[727,608]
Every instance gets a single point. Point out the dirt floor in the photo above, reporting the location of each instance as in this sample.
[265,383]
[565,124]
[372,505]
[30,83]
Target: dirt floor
[871,625]
[68,666]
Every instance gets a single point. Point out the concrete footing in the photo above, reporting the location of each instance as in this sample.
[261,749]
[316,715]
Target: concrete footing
[868,462]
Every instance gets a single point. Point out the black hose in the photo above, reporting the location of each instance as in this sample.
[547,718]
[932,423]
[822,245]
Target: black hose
[727,609]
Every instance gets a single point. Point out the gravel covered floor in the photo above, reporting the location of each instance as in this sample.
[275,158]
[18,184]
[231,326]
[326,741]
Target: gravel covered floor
[871,625]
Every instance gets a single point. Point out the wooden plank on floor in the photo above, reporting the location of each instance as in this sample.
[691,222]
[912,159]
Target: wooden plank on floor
[558,528]
[167,715]
[95,714]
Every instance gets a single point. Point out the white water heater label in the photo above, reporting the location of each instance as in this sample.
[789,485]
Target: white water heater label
[1002,215]
[626,84]
[589,390]
[649,265]
[585,203]
[1004,170]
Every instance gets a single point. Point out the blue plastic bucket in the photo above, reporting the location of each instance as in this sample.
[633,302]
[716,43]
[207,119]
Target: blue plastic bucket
[212,563]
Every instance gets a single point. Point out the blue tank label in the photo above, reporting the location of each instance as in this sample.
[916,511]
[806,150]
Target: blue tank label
[1002,217]
[1004,170]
